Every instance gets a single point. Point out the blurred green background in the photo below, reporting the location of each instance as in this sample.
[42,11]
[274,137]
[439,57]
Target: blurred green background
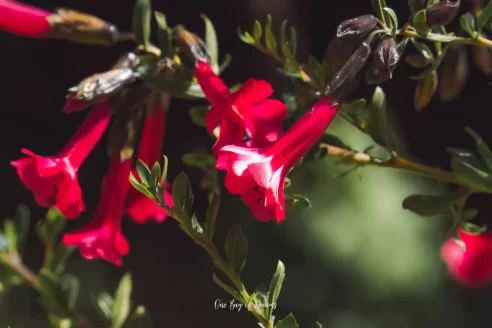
[356,259]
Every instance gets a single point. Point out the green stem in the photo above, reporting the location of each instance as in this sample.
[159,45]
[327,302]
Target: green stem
[381,12]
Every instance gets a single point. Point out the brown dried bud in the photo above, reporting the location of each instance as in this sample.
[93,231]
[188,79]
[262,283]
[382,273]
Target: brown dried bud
[425,90]
[453,73]
[360,26]
[81,28]
[385,58]
[347,78]
[442,13]
[482,57]
[128,60]
[193,47]
[98,88]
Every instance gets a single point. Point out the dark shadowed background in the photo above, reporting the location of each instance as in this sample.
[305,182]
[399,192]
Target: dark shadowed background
[346,265]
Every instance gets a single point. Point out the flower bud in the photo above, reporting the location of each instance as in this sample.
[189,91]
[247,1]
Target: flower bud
[81,28]
[425,90]
[192,46]
[453,73]
[347,78]
[442,13]
[360,26]
[385,58]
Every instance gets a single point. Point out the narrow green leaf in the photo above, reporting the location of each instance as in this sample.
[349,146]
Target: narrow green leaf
[393,18]
[257,31]
[420,23]
[211,42]
[484,17]
[245,37]
[104,305]
[8,277]
[226,61]
[71,286]
[423,49]
[236,248]
[212,213]
[9,228]
[431,205]
[228,289]
[155,175]
[467,23]
[140,188]
[482,148]
[140,318]
[378,6]
[316,70]
[22,223]
[182,194]
[121,304]
[378,122]
[51,227]
[288,322]
[270,41]
[293,40]
[275,287]
[297,202]
[198,114]
[164,35]
[141,21]
[283,32]
[164,171]
[143,172]
[468,171]
[57,261]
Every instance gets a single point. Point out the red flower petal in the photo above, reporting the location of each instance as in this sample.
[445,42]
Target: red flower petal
[23,20]
[253,91]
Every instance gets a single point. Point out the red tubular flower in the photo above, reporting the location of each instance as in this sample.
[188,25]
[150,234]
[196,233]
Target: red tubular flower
[53,180]
[470,265]
[23,20]
[102,237]
[140,208]
[246,118]
[258,175]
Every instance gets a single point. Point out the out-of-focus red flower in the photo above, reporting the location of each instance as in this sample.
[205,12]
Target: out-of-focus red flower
[469,261]
[102,237]
[53,180]
[258,174]
[140,208]
[246,117]
[23,20]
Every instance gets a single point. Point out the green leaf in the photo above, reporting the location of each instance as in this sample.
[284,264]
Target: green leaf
[183,198]
[197,115]
[275,287]
[8,277]
[225,287]
[104,305]
[431,205]
[226,61]
[288,322]
[70,285]
[121,304]
[425,90]
[164,35]
[141,21]
[141,188]
[283,32]
[423,49]
[378,6]
[377,122]
[467,23]
[316,70]
[484,17]
[57,261]
[417,61]
[257,31]
[201,160]
[270,41]
[420,23]
[297,202]
[143,172]
[22,223]
[50,228]
[195,225]
[52,296]
[212,213]
[155,175]
[164,170]
[11,234]
[293,40]
[236,248]
[393,19]
[211,42]
[140,318]
[245,37]
[471,172]
[473,228]
[482,148]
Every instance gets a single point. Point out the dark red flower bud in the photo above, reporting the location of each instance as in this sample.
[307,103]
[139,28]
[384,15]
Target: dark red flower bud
[347,78]
[453,73]
[359,26]
[442,13]
[385,58]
